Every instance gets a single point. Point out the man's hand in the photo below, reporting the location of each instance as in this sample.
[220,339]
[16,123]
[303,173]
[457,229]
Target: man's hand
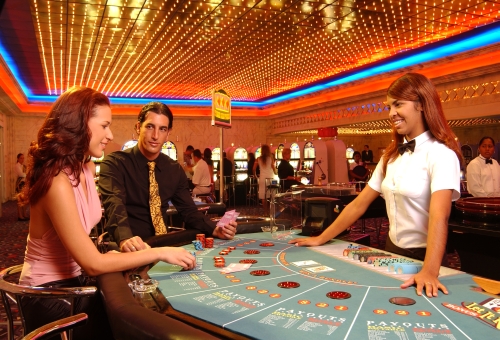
[133,244]
[227,232]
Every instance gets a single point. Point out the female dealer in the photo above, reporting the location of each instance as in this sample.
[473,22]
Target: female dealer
[419,177]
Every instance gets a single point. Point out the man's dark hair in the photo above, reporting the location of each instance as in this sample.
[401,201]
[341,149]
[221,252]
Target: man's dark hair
[367,146]
[356,153]
[197,153]
[189,148]
[158,108]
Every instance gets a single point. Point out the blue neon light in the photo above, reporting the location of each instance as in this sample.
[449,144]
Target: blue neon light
[480,39]
[14,69]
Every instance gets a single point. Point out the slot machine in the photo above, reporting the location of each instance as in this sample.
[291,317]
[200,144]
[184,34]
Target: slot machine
[169,149]
[349,154]
[295,157]
[97,161]
[278,154]
[239,157]
[216,160]
[309,156]
[130,144]
[255,150]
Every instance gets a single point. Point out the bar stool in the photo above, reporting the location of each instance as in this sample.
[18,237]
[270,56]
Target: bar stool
[230,190]
[252,191]
[272,188]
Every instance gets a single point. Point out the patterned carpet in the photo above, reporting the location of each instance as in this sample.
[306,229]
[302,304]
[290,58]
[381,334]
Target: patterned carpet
[13,240]
[12,245]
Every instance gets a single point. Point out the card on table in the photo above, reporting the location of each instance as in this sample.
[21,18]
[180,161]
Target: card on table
[236,267]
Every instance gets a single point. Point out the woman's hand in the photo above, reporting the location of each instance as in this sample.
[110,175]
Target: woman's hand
[178,256]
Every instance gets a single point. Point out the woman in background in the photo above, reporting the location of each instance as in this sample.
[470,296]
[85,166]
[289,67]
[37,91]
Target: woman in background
[419,177]
[207,157]
[22,214]
[267,170]
[483,172]
[65,207]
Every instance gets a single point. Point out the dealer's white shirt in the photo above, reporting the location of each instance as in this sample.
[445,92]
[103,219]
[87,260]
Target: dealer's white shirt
[407,187]
[201,175]
[483,179]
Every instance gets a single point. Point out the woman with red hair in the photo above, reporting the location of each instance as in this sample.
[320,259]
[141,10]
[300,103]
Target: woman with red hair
[65,207]
[418,176]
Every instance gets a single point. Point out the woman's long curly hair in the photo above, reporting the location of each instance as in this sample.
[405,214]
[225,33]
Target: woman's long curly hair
[419,89]
[265,153]
[62,141]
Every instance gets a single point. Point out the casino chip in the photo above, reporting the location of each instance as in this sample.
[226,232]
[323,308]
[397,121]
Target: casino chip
[288,284]
[337,295]
[267,244]
[248,261]
[260,272]
[402,301]
[252,251]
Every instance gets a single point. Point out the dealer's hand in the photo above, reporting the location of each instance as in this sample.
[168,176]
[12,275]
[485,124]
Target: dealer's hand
[133,244]
[425,280]
[226,233]
[306,242]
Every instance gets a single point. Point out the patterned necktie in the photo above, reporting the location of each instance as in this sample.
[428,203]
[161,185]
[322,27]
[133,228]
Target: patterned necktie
[155,202]
[489,161]
[402,147]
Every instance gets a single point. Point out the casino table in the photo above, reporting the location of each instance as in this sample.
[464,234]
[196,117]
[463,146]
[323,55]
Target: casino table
[333,296]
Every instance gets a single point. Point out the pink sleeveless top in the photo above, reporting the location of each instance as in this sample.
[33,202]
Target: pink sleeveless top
[46,259]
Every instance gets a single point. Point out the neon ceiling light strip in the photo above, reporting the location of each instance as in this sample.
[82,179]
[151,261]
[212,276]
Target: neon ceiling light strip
[14,69]
[484,37]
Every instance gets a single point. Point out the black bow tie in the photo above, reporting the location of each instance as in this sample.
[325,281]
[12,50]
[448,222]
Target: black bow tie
[489,161]
[402,147]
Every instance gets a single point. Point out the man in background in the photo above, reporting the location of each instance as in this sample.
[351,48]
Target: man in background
[367,155]
[201,176]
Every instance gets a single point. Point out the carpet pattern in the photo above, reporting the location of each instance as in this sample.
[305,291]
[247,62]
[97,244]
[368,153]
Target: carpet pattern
[13,235]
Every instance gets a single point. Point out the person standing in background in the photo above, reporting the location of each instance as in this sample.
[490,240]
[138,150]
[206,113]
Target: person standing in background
[267,170]
[207,157]
[483,172]
[201,175]
[367,155]
[286,171]
[22,213]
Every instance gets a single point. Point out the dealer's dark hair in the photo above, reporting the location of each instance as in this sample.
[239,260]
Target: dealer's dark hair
[19,155]
[356,153]
[158,108]
[62,141]
[485,138]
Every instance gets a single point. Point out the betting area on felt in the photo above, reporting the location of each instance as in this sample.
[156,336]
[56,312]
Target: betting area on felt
[334,296]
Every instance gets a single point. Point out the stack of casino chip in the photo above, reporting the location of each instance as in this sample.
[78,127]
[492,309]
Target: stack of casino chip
[219,262]
[201,238]
[209,242]
[197,245]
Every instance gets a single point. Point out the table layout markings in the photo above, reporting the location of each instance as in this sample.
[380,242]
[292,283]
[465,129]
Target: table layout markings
[357,313]
[433,305]
[229,285]
[277,303]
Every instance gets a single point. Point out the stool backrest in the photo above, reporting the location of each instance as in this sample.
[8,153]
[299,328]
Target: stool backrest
[11,294]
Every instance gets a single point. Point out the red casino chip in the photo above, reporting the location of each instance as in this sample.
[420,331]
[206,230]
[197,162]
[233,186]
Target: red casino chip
[223,253]
[248,261]
[260,272]
[232,248]
[267,244]
[251,251]
[219,261]
[288,284]
[220,265]
[337,295]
